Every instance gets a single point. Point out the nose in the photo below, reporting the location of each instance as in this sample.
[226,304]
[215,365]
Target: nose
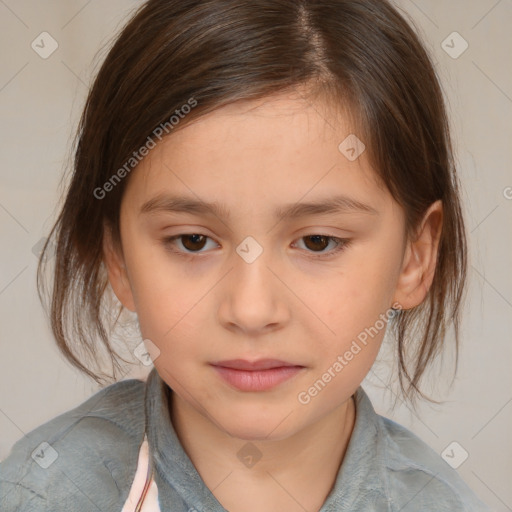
[253,297]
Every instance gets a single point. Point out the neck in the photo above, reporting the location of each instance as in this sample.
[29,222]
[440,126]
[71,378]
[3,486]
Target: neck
[306,463]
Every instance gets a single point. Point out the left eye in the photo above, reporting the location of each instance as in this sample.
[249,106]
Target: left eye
[318,242]
[194,242]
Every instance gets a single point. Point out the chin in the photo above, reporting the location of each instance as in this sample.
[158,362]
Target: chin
[256,433]
[255,427]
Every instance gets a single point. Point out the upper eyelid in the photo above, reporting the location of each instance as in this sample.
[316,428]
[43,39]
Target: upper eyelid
[318,233]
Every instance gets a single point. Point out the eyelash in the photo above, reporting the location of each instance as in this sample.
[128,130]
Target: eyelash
[341,245]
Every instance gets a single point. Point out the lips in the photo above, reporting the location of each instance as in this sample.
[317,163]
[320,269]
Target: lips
[260,375]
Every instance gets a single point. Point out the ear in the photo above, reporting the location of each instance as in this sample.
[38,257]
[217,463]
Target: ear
[116,268]
[420,260]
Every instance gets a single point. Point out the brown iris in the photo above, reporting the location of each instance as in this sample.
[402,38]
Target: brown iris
[319,241]
[193,242]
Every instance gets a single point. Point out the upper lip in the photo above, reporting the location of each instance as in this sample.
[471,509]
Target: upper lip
[260,364]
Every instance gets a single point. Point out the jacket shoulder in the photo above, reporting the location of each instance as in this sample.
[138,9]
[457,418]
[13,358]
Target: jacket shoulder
[419,478]
[83,459]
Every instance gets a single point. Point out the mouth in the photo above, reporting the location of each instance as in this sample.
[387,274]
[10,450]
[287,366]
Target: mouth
[260,375]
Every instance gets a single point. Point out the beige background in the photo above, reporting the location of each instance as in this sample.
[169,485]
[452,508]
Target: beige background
[40,100]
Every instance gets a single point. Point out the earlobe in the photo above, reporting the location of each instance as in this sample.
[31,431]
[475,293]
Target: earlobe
[420,259]
[116,269]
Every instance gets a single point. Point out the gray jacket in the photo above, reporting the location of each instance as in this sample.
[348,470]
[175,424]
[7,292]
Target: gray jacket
[85,460]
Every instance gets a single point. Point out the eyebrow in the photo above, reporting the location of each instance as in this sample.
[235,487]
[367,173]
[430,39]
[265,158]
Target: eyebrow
[330,205]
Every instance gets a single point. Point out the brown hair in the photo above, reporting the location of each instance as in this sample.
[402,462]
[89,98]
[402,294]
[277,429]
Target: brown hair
[357,52]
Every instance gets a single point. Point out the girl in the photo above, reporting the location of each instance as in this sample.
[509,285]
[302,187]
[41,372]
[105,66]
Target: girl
[269,185]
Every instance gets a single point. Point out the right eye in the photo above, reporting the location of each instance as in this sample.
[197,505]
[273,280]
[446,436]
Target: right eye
[192,243]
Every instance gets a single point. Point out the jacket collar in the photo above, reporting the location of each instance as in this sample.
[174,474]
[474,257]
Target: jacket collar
[361,481]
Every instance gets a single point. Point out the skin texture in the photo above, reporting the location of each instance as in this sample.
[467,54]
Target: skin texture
[298,302]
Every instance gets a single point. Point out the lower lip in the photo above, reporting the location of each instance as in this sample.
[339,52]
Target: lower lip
[257,380]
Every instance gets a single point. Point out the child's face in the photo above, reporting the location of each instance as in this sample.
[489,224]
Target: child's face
[298,301]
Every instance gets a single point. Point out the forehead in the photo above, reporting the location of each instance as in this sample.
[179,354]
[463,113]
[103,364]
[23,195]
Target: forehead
[294,116]
[252,152]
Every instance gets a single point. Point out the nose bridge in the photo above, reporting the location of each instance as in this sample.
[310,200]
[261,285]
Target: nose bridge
[252,298]
[251,264]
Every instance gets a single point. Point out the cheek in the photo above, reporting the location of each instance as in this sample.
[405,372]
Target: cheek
[165,298]
[167,311]
[359,292]
[356,304]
